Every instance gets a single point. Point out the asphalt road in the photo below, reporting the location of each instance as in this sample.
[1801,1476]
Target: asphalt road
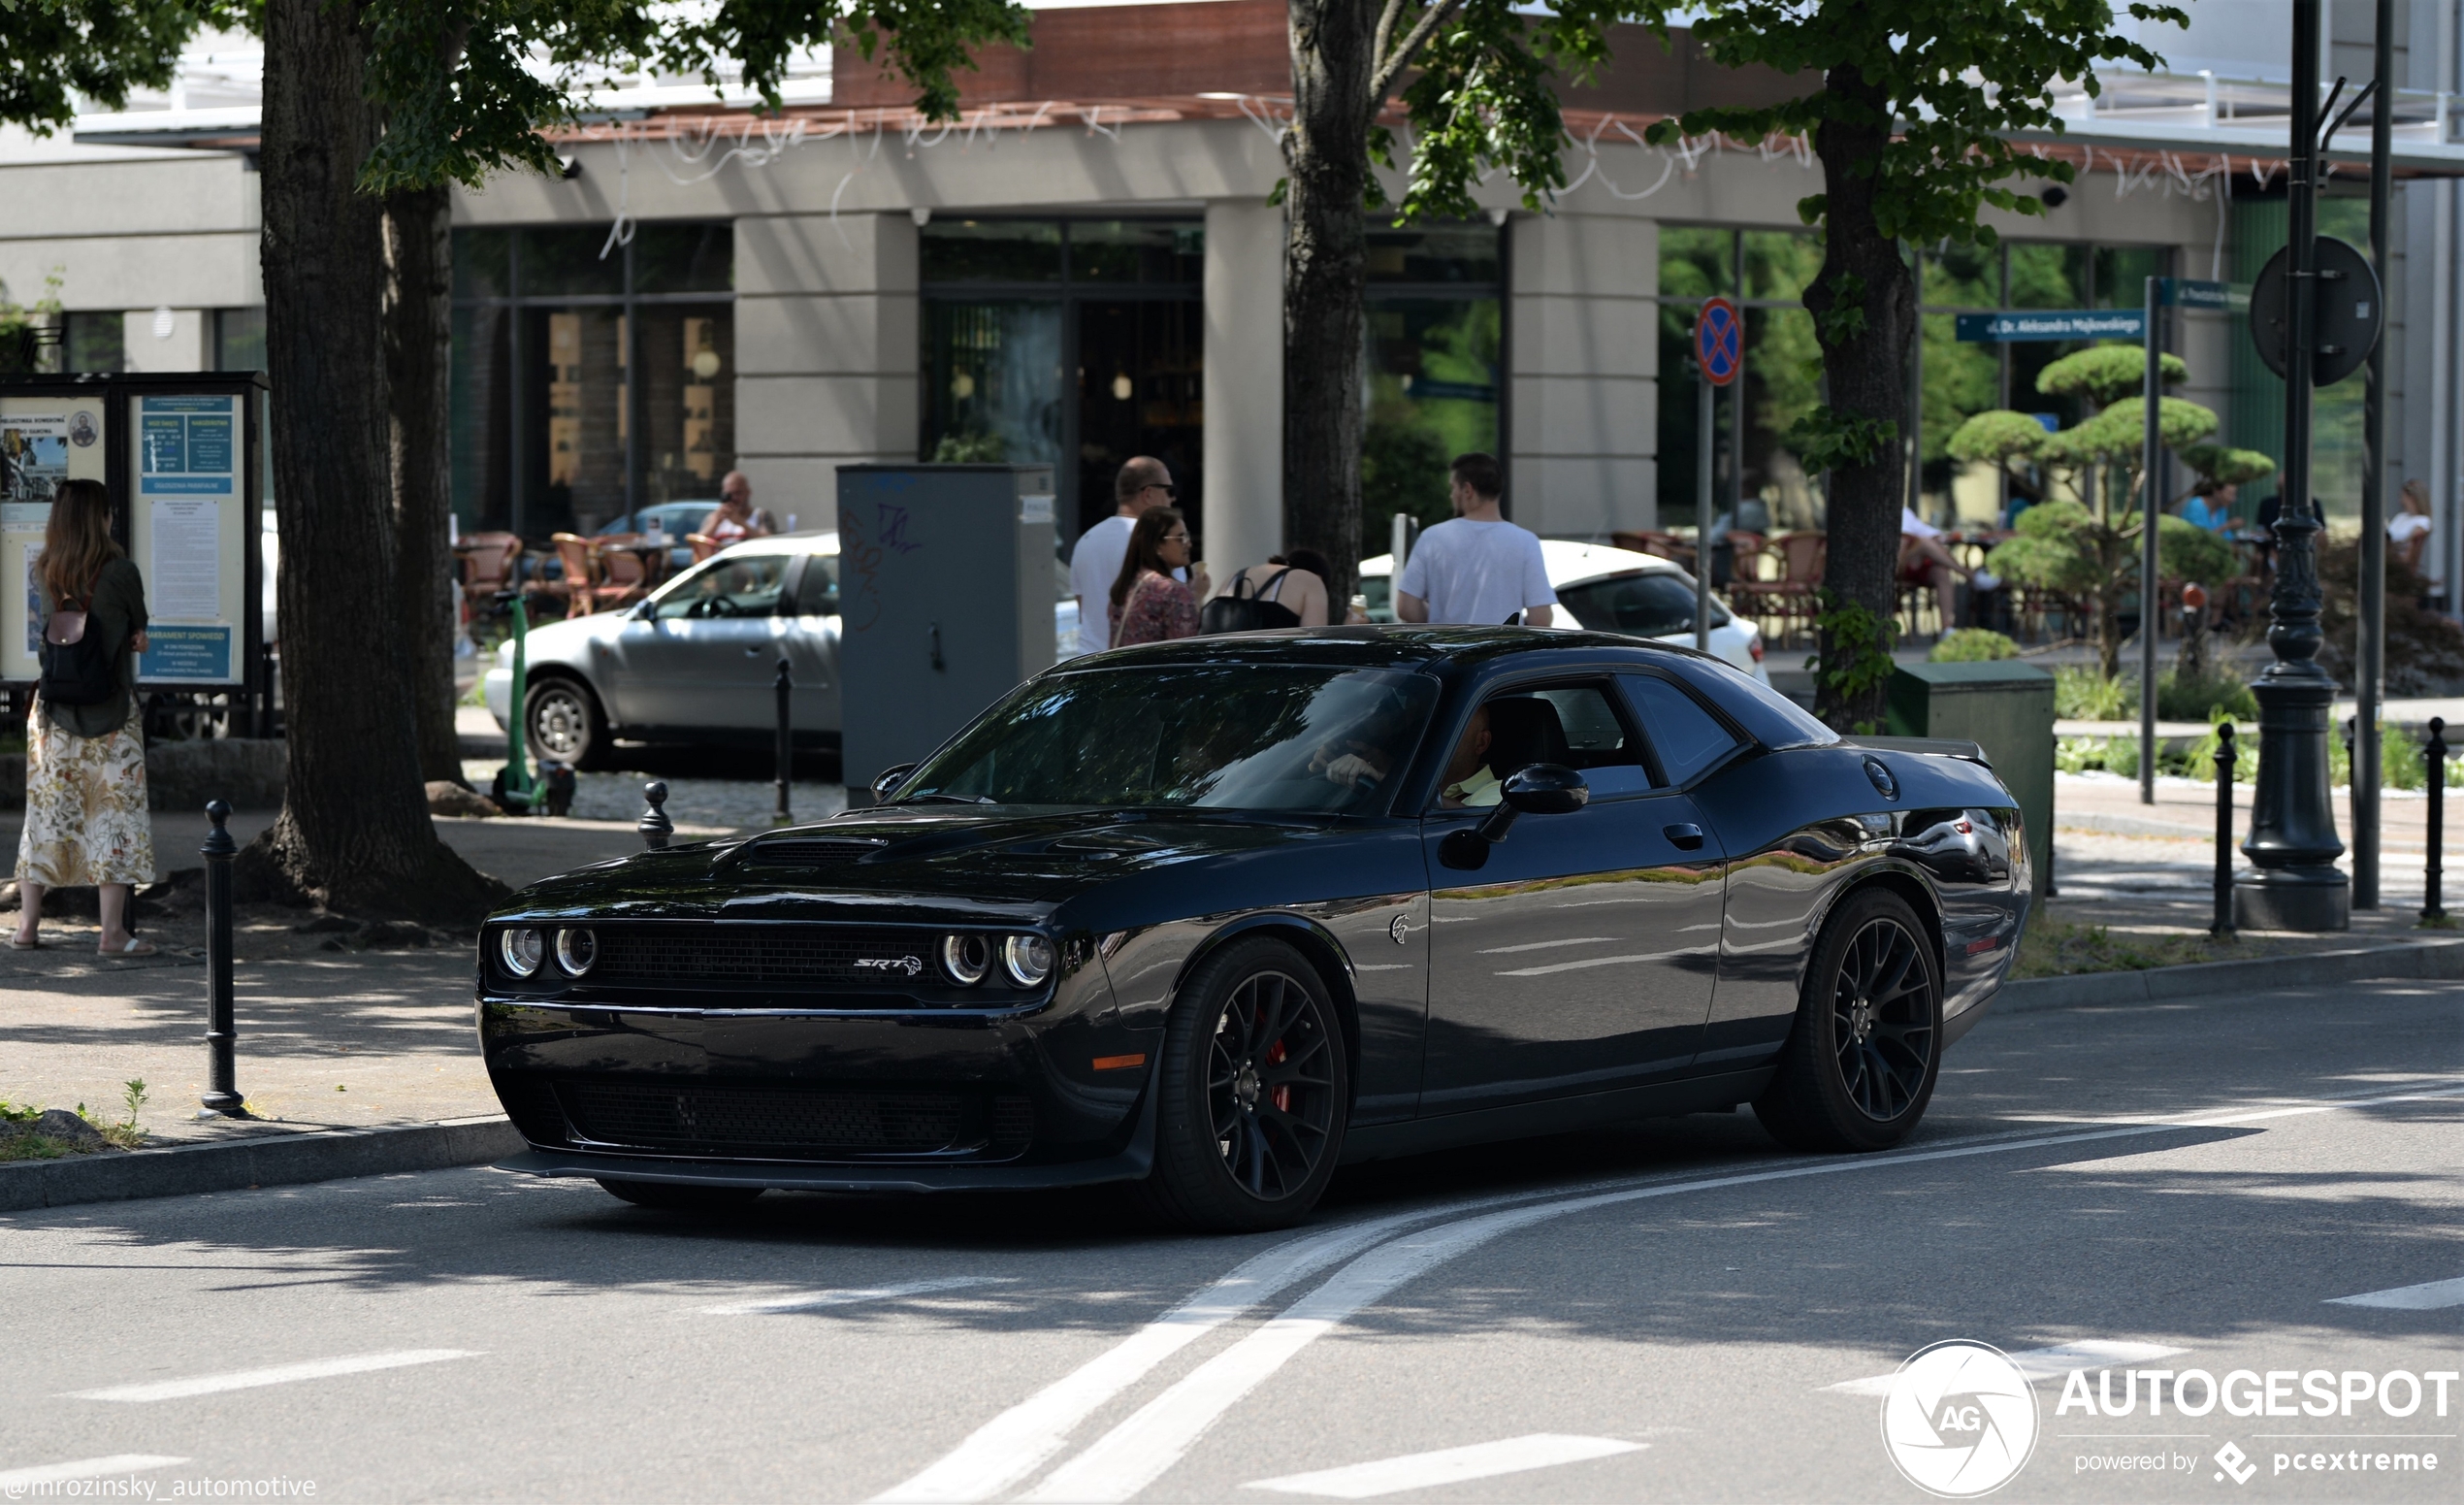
[1667,1313]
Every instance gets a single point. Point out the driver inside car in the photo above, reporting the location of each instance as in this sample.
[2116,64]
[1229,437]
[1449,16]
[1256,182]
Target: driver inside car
[1470,784]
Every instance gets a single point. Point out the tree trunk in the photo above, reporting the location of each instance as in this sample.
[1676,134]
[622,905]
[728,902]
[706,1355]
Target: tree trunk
[354,832]
[1867,370]
[1326,166]
[418,335]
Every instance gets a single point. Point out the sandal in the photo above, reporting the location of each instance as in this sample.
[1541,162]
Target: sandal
[24,943]
[134,948]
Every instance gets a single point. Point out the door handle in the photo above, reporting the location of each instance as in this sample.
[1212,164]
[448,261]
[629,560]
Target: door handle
[1684,838]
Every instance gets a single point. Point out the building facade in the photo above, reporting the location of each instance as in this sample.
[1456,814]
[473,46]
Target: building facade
[1086,266]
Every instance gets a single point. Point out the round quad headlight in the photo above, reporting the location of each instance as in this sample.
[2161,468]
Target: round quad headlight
[575,951]
[967,959]
[521,950]
[1027,959]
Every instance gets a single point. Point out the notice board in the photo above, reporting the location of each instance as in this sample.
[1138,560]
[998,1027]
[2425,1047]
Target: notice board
[45,439]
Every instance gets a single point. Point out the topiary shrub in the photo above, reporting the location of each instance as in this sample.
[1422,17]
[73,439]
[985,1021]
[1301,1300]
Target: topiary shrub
[1972,646]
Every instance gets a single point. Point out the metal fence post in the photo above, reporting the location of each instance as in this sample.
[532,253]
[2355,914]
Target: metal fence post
[2053,823]
[222,1089]
[654,825]
[2221,927]
[2434,764]
[785,686]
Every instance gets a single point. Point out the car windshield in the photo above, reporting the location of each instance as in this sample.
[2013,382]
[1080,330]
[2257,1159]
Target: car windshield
[1219,735]
[1648,604]
[730,585]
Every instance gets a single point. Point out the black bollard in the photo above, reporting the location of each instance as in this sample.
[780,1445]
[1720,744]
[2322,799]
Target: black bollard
[2051,892]
[222,1091]
[2223,925]
[785,686]
[654,825]
[2434,764]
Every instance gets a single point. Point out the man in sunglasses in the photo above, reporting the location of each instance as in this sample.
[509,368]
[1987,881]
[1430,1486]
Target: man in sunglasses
[1142,484]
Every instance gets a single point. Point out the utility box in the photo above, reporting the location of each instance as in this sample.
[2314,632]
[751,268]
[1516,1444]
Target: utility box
[2007,709]
[945,602]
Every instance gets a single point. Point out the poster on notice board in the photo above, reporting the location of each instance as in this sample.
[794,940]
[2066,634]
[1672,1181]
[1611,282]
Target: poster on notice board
[44,439]
[184,526]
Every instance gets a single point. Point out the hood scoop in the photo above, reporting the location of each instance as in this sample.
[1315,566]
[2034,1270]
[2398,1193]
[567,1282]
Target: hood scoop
[808,852]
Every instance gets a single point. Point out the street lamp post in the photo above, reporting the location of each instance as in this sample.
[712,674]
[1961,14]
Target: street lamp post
[2294,883]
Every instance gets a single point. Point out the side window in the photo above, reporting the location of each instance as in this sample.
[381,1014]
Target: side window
[749,586]
[1683,733]
[1576,726]
[817,594]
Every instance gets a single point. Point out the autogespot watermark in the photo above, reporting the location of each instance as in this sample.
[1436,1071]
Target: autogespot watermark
[1960,1420]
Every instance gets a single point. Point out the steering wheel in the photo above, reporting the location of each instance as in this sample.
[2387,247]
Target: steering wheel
[718,605]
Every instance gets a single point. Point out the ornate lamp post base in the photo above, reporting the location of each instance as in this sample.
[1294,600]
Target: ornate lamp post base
[2292,899]
[2294,883]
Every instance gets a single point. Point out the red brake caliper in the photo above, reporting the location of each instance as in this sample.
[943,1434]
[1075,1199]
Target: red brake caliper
[1283,1096]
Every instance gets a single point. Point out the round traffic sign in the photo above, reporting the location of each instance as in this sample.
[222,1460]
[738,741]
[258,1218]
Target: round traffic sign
[2348,311]
[1719,342]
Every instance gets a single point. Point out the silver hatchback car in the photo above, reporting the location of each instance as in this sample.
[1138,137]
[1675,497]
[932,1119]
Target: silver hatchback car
[696,661]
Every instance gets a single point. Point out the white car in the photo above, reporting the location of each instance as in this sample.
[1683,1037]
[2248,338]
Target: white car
[1611,590]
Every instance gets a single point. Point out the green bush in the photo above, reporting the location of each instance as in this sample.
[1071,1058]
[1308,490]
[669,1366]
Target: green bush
[1972,646]
[2081,693]
[2208,697]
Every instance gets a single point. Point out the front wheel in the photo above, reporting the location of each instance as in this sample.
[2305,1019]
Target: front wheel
[561,723]
[667,1197]
[1859,1064]
[1255,1089]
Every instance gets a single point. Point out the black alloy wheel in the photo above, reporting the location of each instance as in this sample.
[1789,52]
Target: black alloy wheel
[667,1197]
[1860,1063]
[561,723]
[1254,1091]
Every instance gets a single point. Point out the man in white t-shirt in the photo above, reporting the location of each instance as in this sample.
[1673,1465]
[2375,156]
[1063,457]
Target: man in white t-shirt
[1477,568]
[1095,563]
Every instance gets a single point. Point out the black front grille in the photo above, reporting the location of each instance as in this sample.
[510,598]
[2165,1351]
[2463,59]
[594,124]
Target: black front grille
[697,955]
[531,1102]
[697,1117]
[812,853]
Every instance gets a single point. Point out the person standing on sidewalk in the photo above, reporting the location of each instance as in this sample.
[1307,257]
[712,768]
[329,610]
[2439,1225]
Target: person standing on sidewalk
[1147,600]
[1093,566]
[86,820]
[1476,568]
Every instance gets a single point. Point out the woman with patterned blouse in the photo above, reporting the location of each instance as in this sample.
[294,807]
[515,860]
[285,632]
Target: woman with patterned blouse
[1147,604]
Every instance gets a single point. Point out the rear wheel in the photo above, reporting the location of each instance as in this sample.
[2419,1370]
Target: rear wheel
[561,723]
[1859,1064]
[669,1197]
[1253,1093]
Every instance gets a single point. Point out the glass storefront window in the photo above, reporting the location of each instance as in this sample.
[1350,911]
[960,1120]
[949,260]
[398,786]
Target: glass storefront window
[239,338]
[1136,250]
[991,251]
[95,342]
[585,386]
[992,382]
[1433,254]
[1697,263]
[2122,272]
[1781,264]
[1964,277]
[1434,378]
[2048,276]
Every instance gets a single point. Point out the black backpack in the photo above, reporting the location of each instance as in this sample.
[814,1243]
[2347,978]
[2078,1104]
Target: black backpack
[75,670]
[1245,610]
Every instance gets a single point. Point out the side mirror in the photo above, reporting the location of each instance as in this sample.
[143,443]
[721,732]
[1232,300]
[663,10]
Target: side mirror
[886,783]
[1541,789]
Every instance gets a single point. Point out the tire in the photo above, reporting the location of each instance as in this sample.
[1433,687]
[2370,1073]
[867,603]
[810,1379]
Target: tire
[1253,1093]
[666,1197]
[561,723]
[1855,1074]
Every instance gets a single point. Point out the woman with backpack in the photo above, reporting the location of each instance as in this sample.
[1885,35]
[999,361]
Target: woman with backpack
[85,818]
[1288,590]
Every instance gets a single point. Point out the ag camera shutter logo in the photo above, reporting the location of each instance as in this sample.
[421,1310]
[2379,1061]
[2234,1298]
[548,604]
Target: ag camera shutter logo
[1960,1420]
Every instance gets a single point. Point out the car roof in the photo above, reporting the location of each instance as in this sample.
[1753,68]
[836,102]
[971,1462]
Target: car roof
[1569,562]
[1394,645]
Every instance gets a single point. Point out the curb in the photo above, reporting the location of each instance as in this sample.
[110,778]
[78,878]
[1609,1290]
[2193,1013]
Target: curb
[2427,960]
[273,1160]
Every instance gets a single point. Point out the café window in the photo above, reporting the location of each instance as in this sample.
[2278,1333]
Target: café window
[592,375]
[1435,337]
[1076,344]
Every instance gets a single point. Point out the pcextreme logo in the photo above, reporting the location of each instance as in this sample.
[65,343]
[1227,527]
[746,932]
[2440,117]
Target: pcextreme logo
[1960,1420]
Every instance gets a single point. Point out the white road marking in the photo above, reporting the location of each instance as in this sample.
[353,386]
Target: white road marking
[17,1478]
[278,1374]
[1023,1438]
[814,1300]
[2041,1364]
[1543,945]
[1450,1466]
[1142,1449]
[2428,1297]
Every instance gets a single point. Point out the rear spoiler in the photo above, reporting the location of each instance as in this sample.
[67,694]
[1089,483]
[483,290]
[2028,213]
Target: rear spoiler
[1938,746]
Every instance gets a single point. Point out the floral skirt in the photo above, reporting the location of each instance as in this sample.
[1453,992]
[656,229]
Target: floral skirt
[86,820]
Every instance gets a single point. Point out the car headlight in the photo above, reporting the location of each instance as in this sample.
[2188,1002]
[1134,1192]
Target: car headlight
[521,949]
[967,959]
[575,951]
[1027,959]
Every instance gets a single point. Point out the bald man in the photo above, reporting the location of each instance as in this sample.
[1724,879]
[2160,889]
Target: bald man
[736,517]
[1142,484]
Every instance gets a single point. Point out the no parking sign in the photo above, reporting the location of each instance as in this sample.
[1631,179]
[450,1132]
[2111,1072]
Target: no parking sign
[1719,342]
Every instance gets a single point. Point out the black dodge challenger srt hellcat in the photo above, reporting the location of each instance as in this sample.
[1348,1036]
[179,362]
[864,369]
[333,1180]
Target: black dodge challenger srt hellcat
[1215,916]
